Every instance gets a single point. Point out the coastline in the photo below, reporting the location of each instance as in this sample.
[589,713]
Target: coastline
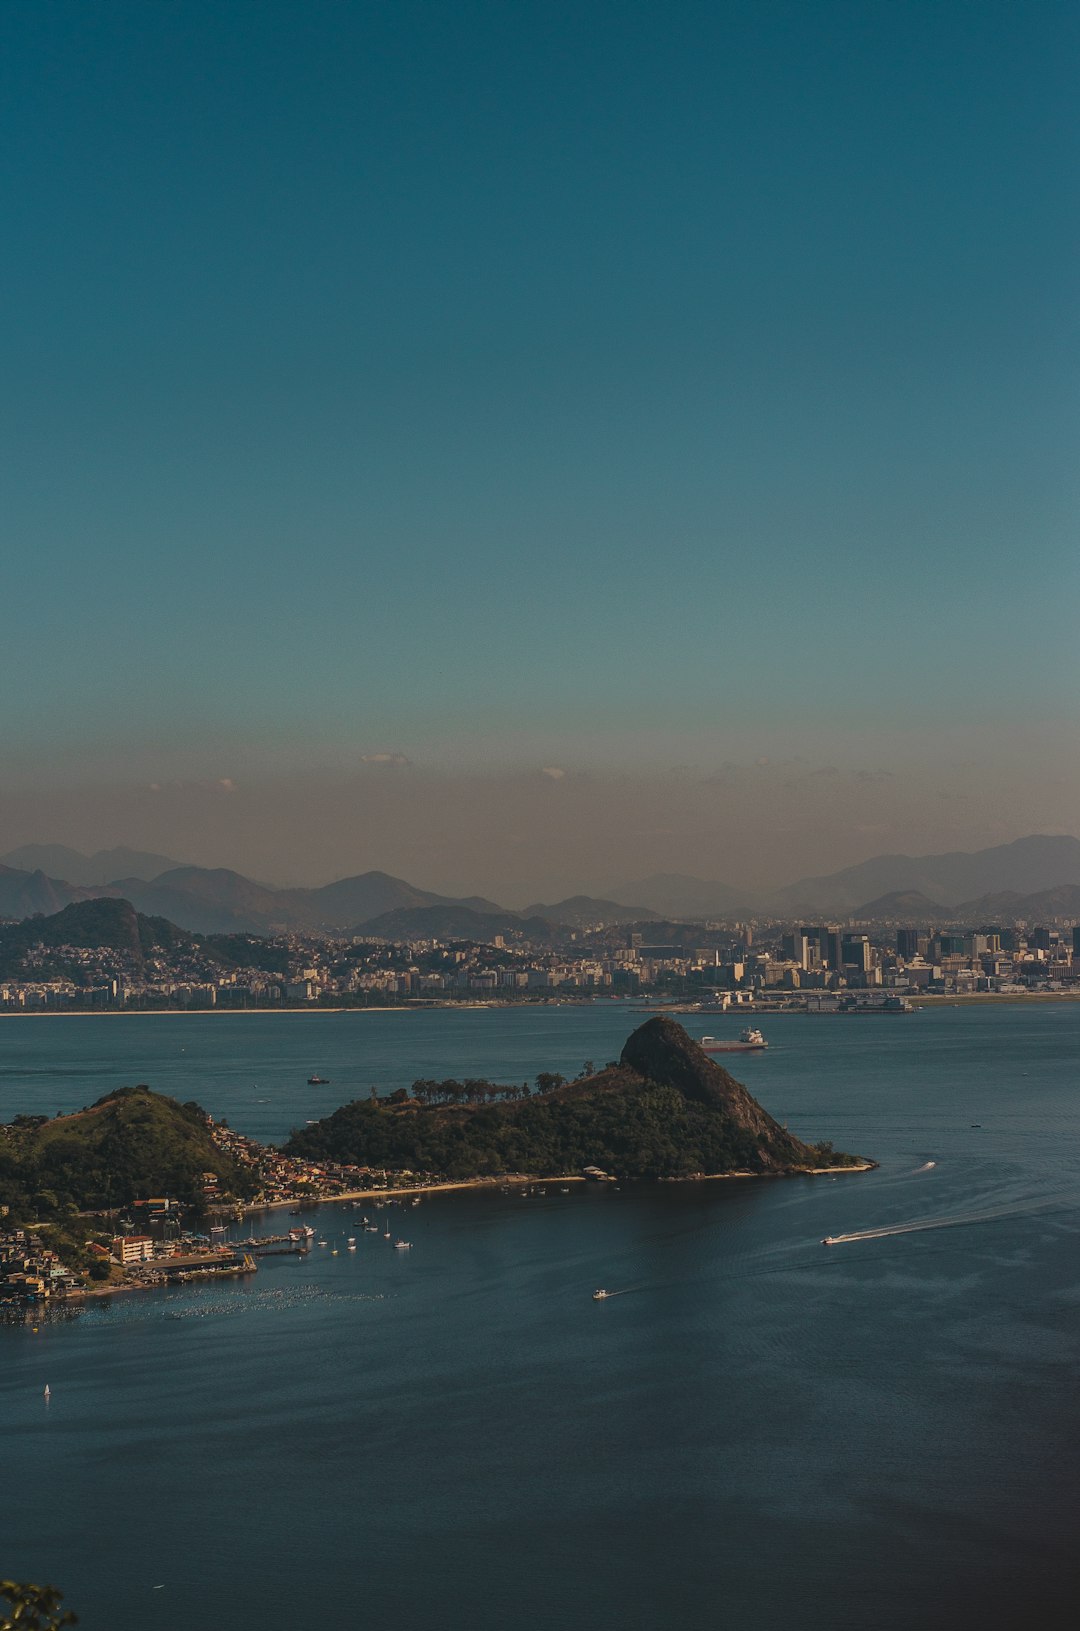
[418,1189]
[84,1293]
[229,1013]
[698,1010]
[790,1172]
[538,1178]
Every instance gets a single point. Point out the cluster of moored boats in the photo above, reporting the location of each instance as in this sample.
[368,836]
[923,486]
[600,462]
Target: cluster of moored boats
[304,1235]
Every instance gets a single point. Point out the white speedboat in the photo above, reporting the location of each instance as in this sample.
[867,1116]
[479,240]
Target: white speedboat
[599,1294]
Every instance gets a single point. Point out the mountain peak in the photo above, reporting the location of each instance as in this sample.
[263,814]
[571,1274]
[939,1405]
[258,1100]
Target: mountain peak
[664,1053]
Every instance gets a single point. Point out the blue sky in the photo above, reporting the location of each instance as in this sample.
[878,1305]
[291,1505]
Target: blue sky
[599,384]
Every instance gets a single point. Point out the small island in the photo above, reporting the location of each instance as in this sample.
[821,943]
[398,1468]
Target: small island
[663,1110]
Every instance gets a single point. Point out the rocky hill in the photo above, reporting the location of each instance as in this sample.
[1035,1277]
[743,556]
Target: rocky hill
[115,924]
[90,923]
[664,1109]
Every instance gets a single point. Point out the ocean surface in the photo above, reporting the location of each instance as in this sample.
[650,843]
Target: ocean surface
[759,1431]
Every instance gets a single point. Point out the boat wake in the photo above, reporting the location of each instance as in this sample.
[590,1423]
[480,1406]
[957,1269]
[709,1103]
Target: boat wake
[956,1220]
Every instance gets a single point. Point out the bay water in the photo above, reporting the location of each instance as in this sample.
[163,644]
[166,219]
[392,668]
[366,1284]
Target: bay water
[758,1431]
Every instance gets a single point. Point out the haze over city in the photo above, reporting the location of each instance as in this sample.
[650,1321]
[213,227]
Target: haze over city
[524,453]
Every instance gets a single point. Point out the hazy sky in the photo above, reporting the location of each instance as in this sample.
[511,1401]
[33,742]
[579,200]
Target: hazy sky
[681,397]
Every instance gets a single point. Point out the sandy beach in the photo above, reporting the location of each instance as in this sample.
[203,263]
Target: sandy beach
[533,1178]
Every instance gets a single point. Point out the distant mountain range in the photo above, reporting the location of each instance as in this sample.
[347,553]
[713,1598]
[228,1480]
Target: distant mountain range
[215,900]
[58,861]
[1063,901]
[1032,877]
[1026,866]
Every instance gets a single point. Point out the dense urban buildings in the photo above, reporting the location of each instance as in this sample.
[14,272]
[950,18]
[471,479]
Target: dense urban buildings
[808,965]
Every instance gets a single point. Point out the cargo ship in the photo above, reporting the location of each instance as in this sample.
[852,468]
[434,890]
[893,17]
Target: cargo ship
[747,1041]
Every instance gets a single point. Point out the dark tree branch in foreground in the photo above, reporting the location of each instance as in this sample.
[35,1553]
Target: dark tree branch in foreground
[32,1608]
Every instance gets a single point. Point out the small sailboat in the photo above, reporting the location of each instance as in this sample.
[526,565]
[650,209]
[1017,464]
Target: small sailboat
[48,1393]
[386,1236]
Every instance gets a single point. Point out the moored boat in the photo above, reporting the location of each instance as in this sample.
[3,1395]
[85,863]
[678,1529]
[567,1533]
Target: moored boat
[748,1040]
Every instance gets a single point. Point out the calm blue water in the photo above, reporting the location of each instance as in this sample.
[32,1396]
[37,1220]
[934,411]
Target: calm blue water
[760,1432]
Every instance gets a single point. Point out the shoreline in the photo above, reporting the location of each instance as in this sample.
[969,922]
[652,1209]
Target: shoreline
[419,1189]
[791,1172]
[314,1009]
[696,1010]
[85,1293]
[536,1178]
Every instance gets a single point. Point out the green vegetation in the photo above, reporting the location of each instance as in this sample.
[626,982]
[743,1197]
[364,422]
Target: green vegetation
[665,1110]
[89,923]
[32,1608]
[130,1145]
[115,924]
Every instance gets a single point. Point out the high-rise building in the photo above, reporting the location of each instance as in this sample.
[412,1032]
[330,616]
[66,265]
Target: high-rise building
[855,950]
[907,942]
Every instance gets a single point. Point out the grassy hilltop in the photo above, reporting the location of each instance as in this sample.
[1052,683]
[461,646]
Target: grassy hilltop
[663,1110]
[130,1145]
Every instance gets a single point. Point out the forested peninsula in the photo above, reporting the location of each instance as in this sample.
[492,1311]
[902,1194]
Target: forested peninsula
[664,1109]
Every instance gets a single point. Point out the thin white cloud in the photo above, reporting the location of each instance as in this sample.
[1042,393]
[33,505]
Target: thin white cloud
[554,773]
[386,761]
